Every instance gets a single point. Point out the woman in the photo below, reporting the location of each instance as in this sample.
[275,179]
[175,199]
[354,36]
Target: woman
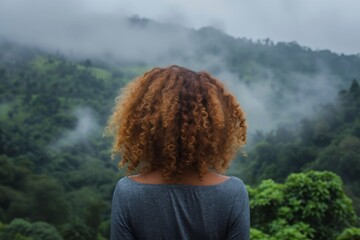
[179,129]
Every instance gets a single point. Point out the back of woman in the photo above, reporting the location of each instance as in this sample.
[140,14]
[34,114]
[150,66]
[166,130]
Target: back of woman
[180,130]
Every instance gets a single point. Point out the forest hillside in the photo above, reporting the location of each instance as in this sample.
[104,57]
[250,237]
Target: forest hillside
[303,108]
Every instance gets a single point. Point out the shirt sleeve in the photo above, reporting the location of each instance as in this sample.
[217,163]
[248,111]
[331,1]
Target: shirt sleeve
[120,228]
[239,224]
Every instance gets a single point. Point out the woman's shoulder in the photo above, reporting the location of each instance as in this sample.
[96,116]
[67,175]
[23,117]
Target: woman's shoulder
[124,182]
[124,185]
[234,188]
[236,181]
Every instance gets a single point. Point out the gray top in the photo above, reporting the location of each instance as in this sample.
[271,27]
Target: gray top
[162,211]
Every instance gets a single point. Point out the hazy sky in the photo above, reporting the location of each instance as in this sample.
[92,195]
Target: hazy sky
[319,24]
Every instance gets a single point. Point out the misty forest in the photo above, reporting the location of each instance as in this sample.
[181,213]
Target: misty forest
[302,162]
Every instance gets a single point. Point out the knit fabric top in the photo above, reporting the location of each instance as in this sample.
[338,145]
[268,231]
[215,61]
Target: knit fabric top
[162,211]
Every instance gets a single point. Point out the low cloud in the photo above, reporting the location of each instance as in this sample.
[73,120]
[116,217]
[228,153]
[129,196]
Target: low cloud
[86,125]
[68,28]
[268,103]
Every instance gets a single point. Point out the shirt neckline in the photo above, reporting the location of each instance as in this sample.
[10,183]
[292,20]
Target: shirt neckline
[179,185]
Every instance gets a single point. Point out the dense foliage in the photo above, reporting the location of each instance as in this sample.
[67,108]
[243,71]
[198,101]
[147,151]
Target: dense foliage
[55,165]
[56,176]
[349,234]
[309,205]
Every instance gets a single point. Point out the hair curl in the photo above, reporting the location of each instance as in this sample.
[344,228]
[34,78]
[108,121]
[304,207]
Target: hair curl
[173,119]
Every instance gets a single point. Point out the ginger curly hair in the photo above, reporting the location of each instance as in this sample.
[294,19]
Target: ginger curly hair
[172,119]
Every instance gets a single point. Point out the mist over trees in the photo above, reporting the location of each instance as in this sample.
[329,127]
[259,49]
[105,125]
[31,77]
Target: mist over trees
[328,141]
[56,176]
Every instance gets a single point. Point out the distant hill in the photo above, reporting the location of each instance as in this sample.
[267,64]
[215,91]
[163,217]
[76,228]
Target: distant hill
[54,106]
[280,82]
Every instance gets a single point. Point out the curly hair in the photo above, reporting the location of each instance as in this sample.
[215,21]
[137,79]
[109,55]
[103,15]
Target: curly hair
[172,119]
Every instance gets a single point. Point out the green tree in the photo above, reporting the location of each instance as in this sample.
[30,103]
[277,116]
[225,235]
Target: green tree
[19,229]
[77,231]
[318,199]
[310,205]
[256,234]
[47,200]
[350,234]
[265,200]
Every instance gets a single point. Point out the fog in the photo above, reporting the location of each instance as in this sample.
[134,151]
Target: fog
[86,124]
[319,24]
[260,99]
[71,30]
[78,31]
